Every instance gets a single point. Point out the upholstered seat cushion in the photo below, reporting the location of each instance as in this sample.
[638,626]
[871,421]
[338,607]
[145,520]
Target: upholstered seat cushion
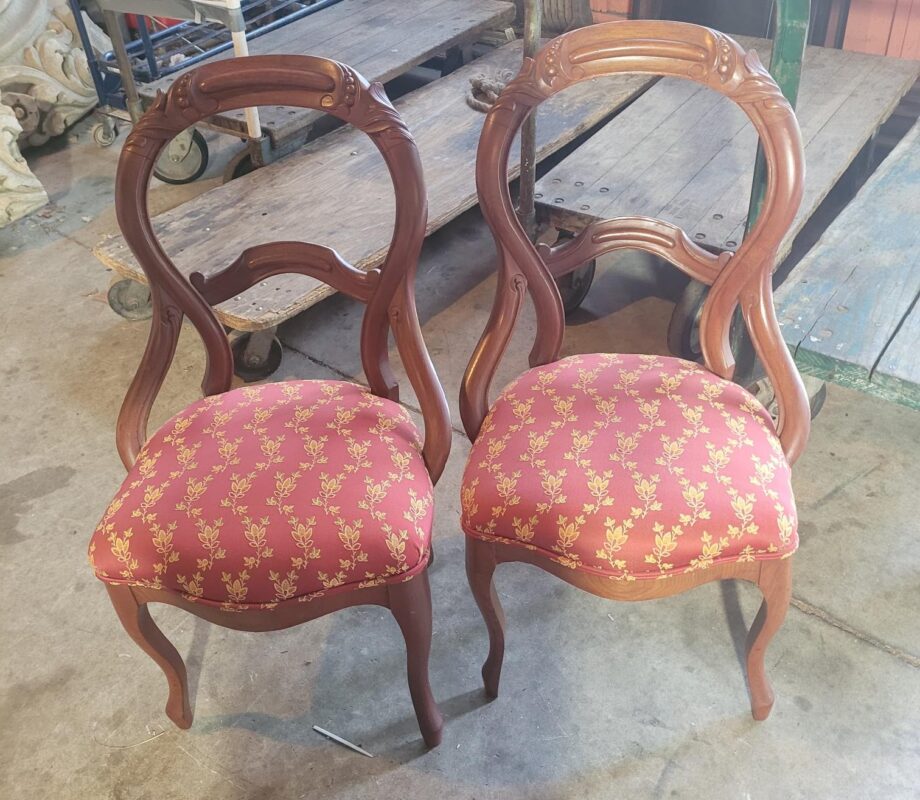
[269,493]
[630,467]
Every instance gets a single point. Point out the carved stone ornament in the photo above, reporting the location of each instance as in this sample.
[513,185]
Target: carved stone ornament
[44,75]
[20,191]
[45,82]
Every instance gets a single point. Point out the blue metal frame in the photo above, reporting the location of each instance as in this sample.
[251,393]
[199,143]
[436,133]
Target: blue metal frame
[207,38]
[108,84]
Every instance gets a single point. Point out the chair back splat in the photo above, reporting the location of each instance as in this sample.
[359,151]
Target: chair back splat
[388,292]
[743,278]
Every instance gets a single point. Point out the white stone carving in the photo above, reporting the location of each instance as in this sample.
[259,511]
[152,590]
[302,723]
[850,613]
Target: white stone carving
[20,191]
[43,71]
[45,80]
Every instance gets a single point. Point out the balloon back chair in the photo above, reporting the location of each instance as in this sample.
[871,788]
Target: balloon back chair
[636,476]
[262,507]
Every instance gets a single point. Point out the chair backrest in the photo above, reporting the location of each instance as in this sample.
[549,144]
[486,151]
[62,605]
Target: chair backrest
[306,82]
[745,277]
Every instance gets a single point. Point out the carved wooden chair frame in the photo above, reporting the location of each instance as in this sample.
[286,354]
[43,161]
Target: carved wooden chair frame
[388,292]
[743,278]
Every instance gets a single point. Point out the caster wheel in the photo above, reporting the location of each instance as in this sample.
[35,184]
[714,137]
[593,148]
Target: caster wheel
[817,394]
[574,287]
[684,327]
[815,387]
[239,166]
[130,299]
[253,366]
[184,159]
[104,133]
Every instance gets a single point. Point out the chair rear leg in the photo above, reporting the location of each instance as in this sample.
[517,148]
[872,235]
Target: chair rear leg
[775,583]
[140,626]
[480,566]
[410,604]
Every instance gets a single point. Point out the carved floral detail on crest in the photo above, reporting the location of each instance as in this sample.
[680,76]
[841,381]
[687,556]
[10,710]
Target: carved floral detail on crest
[526,90]
[726,61]
[350,86]
[758,86]
[379,119]
[552,62]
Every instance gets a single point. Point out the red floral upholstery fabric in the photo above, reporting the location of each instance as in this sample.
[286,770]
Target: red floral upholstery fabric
[269,493]
[630,467]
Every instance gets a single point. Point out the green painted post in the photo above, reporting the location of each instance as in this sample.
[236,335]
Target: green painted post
[789,39]
[533,28]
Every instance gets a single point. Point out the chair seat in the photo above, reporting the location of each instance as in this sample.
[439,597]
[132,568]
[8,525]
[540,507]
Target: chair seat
[630,467]
[272,492]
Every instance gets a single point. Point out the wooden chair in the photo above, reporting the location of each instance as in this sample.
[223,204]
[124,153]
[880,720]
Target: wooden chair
[267,506]
[635,477]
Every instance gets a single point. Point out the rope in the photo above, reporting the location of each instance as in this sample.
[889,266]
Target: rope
[484,90]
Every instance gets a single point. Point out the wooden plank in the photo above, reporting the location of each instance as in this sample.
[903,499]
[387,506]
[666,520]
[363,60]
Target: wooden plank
[336,191]
[881,84]
[687,155]
[899,23]
[897,376]
[379,38]
[869,25]
[911,47]
[849,308]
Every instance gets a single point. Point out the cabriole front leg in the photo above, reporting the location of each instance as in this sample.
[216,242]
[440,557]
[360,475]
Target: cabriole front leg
[140,626]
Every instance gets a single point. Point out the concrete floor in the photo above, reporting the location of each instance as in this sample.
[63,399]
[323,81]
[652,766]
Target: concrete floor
[599,700]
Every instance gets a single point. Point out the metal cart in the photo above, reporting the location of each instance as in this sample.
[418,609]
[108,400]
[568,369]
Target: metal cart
[211,26]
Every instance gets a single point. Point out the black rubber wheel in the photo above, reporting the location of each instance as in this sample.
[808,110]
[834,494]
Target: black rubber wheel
[240,165]
[104,134]
[130,299]
[763,391]
[249,371]
[816,400]
[189,169]
[684,327]
[575,286]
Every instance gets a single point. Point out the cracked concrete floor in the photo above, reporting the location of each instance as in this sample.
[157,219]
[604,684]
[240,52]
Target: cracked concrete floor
[599,700]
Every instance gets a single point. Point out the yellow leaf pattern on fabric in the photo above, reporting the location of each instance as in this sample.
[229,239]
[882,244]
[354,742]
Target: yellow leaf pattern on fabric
[630,467]
[273,493]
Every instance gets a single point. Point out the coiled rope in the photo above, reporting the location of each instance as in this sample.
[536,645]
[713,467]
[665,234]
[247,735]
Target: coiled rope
[484,90]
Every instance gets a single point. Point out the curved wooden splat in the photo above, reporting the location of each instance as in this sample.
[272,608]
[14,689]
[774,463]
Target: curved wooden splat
[483,364]
[634,233]
[131,428]
[794,423]
[278,258]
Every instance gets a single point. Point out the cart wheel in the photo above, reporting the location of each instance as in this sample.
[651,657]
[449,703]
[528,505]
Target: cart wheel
[183,167]
[684,327]
[815,388]
[574,287]
[105,133]
[130,299]
[817,394]
[240,165]
[251,365]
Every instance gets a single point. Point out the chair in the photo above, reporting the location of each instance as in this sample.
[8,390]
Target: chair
[634,476]
[262,507]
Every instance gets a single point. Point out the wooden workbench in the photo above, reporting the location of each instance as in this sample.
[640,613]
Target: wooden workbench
[850,310]
[686,154]
[380,38]
[336,191]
